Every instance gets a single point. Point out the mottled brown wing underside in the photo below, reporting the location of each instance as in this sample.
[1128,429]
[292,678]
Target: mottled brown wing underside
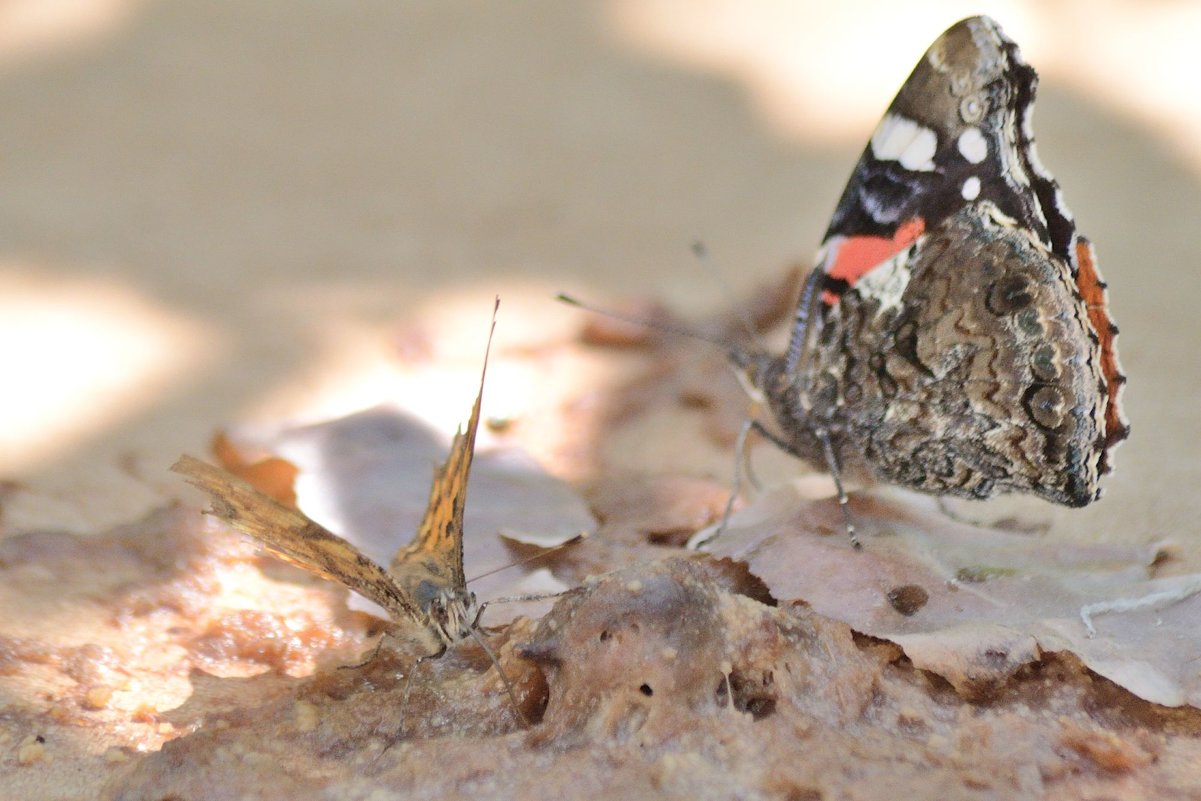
[439,540]
[290,535]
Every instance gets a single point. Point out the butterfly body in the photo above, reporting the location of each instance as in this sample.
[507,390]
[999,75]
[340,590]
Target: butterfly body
[430,569]
[443,603]
[954,337]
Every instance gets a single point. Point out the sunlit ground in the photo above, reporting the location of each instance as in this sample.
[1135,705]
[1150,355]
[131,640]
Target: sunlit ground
[29,28]
[81,355]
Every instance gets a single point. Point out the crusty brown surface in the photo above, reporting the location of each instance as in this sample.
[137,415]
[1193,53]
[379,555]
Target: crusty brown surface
[629,681]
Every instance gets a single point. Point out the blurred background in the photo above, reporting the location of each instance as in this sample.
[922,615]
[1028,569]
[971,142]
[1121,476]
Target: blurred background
[215,212]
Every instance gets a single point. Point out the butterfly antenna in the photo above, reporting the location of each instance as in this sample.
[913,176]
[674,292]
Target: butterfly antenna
[541,554]
[488,345]
[654,325]
[500,672]
[701,252]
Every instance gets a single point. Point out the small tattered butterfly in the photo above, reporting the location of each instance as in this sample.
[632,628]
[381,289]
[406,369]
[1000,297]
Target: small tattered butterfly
[424,584]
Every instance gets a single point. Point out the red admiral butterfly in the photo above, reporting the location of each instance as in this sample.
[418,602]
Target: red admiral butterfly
[954,336]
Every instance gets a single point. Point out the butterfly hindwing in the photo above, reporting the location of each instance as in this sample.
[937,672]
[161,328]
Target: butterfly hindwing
[969,384]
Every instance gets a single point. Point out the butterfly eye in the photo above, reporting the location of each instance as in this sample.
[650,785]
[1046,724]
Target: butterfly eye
[428,595]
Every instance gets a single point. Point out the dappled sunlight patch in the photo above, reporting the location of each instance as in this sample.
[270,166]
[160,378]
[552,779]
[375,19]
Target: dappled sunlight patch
[82,355]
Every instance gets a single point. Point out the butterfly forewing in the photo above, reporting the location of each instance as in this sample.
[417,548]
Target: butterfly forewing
[425,581]
[438,546]
[439,540]
[956,133]
[292,536]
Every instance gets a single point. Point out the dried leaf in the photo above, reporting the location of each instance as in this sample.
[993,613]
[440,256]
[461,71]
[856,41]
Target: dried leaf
[270,475]
[994,599]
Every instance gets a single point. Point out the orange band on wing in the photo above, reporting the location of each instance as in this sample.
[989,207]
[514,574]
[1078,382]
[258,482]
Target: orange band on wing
[1092,289]
[858,255]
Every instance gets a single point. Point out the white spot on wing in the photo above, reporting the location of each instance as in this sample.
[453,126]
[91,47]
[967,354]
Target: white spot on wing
[973,146]
[902,140]
[880,209]
[971,188]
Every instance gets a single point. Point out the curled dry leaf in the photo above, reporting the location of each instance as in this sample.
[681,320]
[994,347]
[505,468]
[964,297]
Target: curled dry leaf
[270,475]
[991,600]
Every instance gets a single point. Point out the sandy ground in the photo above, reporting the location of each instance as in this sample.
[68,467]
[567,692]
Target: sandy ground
[224,212]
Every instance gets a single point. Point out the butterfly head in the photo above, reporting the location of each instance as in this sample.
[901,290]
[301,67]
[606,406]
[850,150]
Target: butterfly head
[762,375]
[448,611]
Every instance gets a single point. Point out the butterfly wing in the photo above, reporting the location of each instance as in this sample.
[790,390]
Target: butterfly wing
[959,340]
[958,132]
[290,535]
[974,384]
[438,547]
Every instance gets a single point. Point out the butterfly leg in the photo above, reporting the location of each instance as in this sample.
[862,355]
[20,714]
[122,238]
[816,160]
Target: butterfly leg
[742,445]
[404,707]
[742,461]
[1007,524]
[823,437]
[504,679]
[413,672]
[954,516]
